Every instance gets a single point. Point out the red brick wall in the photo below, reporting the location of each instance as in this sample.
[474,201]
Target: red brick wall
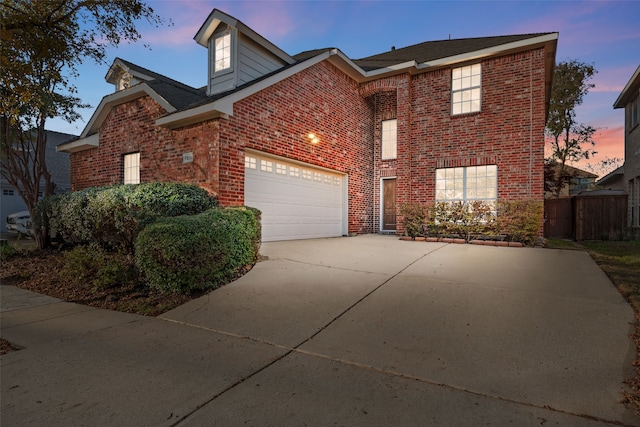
[277,120]
[346,117]
[385,107]
[131,128]
[509,131]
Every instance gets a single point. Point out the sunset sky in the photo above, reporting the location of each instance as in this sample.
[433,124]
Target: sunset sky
[603,33]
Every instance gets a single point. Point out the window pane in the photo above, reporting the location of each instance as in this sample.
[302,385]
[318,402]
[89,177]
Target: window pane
[470,183]
[266,166]
[132,168]
[389,139]
[250,162]
[465,87]
[222,53]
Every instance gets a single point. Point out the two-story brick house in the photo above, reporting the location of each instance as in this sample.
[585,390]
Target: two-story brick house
[323,144]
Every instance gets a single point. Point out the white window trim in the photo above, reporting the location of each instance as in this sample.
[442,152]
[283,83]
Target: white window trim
[389,139]
[212,49]
[466,81]
[465,189]
[131,170]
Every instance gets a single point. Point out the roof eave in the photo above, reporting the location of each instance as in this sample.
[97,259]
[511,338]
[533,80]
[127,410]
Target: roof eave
[79,144]
[626,94]
[547,40]
[611,175]
[120,97]
[221,108]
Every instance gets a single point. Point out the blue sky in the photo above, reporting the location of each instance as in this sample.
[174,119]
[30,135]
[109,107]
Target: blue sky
[603,33]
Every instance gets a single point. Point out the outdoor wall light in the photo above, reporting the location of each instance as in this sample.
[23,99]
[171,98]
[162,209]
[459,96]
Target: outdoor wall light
[313,138]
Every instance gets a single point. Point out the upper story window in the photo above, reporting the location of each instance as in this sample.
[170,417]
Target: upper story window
[132,168]
[389,139]
[465,89]
[635,111]
[222,53]
[124,82]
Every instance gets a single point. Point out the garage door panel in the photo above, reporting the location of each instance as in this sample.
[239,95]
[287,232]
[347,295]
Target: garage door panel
[296,201]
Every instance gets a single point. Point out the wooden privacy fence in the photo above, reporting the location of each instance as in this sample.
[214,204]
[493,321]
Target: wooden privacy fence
[558,217]
[586,217]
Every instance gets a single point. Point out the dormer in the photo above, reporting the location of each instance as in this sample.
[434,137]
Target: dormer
[237,54]
[123,75]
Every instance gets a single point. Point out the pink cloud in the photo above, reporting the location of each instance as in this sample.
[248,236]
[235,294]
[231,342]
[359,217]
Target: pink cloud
[609,145]
[613,79]
[272,19]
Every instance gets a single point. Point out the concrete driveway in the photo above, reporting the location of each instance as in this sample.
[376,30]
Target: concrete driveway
[366,330]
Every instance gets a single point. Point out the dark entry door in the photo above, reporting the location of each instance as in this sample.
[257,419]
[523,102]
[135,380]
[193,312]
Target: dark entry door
[389,205]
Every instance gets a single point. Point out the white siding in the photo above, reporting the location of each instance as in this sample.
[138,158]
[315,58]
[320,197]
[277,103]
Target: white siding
[250,61]
[254,62]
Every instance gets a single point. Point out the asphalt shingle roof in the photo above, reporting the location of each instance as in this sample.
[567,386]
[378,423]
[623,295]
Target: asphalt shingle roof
[430,51]
[183,97]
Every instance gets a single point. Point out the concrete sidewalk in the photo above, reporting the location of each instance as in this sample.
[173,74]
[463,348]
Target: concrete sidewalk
[367,330]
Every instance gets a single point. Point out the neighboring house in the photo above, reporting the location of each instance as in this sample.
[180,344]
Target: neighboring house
[580,180]
[627,177]
[614,180]
[327,145]
[58,165]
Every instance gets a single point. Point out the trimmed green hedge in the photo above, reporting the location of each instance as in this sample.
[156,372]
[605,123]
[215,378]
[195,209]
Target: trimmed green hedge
[517,221]
[113,216]
[203,251]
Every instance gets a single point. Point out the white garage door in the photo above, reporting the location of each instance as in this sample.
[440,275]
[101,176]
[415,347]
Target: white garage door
[297,201]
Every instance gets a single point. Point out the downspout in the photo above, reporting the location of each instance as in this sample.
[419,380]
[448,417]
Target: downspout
[373,181]
[530,189]
[409,135]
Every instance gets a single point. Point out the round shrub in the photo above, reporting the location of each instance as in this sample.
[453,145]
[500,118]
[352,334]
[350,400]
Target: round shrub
[204,251]
[114,215]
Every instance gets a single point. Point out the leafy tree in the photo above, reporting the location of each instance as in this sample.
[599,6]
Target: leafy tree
[605,166]
[570,141]
[42,45]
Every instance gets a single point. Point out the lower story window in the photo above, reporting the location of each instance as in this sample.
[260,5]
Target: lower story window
[467,184]
[634,202]
[132,168]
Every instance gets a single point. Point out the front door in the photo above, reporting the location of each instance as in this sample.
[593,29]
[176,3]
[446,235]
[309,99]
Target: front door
[388,205]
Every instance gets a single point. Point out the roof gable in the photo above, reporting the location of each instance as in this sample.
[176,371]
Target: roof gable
[217,18]
[170,94]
